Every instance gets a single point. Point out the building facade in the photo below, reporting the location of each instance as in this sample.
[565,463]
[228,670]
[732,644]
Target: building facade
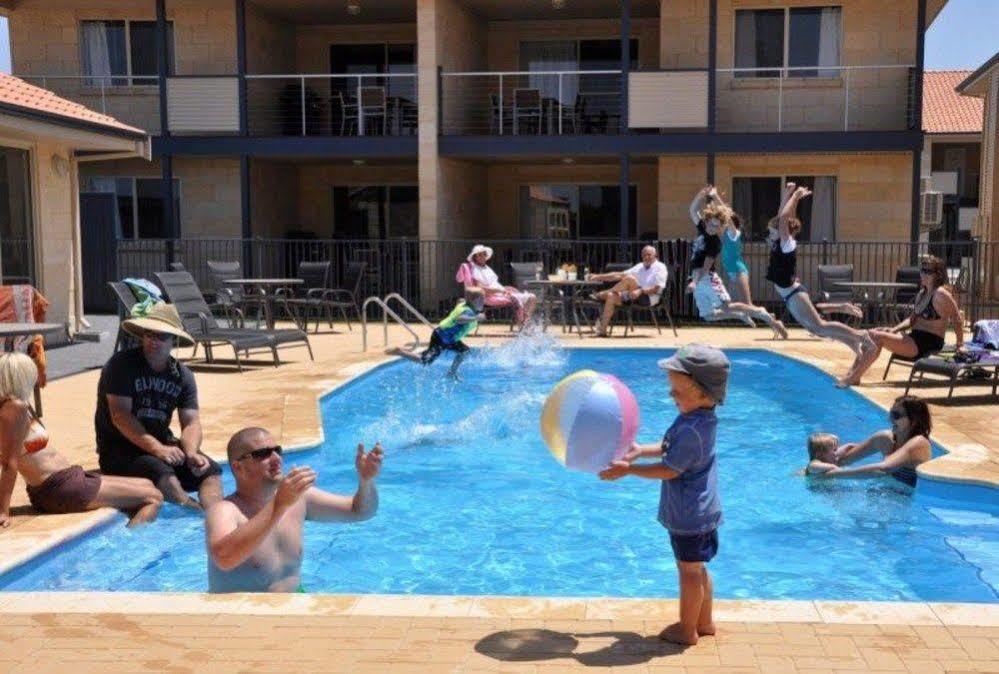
[461,119]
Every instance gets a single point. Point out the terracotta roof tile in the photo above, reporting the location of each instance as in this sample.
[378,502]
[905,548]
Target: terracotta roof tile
[945,110]
[16,92]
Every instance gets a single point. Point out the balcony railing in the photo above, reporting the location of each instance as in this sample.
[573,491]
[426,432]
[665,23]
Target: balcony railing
[134,100]
[826,98]
[332,105]
[549,102]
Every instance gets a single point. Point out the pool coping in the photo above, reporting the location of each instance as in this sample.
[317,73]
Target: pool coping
[30,544]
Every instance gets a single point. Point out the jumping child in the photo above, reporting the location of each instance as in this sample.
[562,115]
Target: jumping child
[450,332]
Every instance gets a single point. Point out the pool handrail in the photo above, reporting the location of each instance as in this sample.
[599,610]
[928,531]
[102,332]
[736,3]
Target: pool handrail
[387,311]
[409,307]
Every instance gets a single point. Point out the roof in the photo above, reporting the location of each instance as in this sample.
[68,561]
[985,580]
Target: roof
[19,97]
[973,78]
[945,110]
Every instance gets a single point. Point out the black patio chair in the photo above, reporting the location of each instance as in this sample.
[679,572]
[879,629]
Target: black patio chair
[125,301]
[345,299]
[183,292]
[897,305]
[233,299]
[581,300]
[310,297]
[829,276]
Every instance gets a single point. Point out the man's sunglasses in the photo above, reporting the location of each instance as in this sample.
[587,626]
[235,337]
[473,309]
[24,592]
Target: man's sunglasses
[262,453]
[158,336]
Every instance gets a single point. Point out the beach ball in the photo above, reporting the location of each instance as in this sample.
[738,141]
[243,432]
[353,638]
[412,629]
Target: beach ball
[589,419]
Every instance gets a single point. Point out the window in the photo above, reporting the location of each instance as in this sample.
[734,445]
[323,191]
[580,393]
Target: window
[575,211]
[376,212]
[758,200]
[798,37]
[140,205]
[16,240]
[375,58]
[122,53]
[568,55]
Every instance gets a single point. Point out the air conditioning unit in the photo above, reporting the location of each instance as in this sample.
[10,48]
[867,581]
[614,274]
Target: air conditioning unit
[930,210]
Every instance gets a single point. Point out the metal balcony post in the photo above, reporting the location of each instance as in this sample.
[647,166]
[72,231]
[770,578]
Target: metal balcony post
[500,104]
[846,104]
[303,104]
[560,104]
[360,110]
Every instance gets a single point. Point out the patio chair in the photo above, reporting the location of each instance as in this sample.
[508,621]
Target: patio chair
[898,305]
[951,372]
[233,299]
[312,297]
[495,117]
[345,299]
[373,106]
[526,106]
[581,300]
[829,276]
[183,292]
[524,272]
[348,112]
[125,301]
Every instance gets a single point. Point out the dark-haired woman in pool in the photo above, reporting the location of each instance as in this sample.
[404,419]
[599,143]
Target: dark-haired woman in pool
[903,447]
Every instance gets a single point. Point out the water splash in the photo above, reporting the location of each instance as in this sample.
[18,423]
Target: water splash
[531,348]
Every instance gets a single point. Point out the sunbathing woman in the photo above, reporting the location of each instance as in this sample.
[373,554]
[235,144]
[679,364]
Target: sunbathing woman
[933,309]
[903,447]
[55,486]
[782,272]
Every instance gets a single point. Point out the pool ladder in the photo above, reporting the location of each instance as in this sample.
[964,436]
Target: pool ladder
[387,311]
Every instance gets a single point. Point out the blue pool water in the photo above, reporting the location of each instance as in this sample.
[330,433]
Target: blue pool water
[472,503]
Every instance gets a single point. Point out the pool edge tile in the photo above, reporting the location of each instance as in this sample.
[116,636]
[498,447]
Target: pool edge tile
[954,614]
[877,612]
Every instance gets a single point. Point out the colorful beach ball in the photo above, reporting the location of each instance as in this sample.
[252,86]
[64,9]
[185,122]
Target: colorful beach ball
[588,420]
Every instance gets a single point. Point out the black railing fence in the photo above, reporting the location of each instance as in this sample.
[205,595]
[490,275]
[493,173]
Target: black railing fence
[424,271]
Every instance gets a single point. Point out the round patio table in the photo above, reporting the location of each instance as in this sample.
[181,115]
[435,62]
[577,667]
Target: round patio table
[269,298]
[546,285]
[879,308]
[10,331]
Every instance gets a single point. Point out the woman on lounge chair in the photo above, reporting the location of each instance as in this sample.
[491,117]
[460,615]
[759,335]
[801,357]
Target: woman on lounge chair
[903,447]
[932,311]
[782,271]
[54,485]
[475,273]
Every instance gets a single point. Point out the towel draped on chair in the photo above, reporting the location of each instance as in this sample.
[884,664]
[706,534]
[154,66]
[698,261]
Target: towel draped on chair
[24,304]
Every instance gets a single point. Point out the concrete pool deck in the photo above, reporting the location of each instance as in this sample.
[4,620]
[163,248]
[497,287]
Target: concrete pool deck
[188,632]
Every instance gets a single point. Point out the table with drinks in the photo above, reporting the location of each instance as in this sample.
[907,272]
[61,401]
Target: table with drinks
[558,281]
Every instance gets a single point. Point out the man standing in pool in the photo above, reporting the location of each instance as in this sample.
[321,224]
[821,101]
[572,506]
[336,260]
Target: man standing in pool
[254,535]
[689,506]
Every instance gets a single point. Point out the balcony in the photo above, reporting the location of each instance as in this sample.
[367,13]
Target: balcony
[332,105]
[134,100]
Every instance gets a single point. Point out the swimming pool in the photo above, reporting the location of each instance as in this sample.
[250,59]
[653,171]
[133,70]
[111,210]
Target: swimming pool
[472,503]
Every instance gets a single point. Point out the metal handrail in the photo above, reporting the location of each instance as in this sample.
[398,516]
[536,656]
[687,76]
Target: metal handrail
[484,73]
[387,312]
[815,67]
[325,76]
[402,300]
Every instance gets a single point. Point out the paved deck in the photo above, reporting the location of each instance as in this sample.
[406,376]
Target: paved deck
[42,632]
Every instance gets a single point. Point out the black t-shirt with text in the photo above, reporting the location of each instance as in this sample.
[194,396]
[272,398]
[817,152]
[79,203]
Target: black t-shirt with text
[155,396]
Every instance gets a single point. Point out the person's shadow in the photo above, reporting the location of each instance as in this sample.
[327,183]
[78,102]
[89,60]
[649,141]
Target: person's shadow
[530,645]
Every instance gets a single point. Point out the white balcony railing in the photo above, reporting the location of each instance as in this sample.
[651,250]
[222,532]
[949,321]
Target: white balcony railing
[810,98]
[131,99]
[331,104]
[548,102]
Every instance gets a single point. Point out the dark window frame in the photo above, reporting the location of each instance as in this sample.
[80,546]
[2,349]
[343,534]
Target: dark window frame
[130,78]
[766,71]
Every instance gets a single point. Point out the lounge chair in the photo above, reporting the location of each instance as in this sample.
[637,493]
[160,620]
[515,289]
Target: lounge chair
[198,320]
[830,292]
[126,300]
[951,371]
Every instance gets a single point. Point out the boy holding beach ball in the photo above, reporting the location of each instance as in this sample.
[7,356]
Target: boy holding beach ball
[689,506]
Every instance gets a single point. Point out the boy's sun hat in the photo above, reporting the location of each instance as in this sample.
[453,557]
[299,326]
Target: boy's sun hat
[160,317]
[479,248]
[706,365]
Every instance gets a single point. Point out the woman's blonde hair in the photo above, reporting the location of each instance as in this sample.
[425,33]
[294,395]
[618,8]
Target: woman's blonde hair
[719,212]
[18,375]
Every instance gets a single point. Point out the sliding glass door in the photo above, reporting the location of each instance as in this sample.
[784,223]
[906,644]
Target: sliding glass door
[376,212]
[16,240]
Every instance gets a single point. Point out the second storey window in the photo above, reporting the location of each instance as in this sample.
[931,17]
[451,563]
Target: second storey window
[768,40]
[757,199]
[122,53]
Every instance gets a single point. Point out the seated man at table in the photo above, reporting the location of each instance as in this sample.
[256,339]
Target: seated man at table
[137,394]
[254,535]
[643,284]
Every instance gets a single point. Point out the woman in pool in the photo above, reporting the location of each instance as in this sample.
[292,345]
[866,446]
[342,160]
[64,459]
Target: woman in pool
[475,273]
[932,311]
[903,447]
[782,271]
[54,485]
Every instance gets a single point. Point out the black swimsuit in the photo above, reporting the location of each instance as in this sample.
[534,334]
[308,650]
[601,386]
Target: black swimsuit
[927,342]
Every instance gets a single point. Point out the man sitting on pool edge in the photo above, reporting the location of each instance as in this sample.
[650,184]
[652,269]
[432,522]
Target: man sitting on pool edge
[254,535]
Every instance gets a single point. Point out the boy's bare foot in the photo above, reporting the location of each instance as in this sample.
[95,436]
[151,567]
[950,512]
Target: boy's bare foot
[706,630]
[847,383]
[676,634]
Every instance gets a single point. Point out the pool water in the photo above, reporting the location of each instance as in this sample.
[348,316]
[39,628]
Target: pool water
[473,503]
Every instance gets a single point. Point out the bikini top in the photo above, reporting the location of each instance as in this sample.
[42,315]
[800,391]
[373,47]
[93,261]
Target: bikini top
[928,312]
[37,437]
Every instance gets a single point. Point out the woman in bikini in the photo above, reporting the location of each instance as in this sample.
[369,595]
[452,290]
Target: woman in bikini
[54,485]
[932,311]
[903,447]
[782,271]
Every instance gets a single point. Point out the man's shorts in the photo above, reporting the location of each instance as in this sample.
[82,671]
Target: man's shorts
[710,295]
[155,470]
[642,301]
[695,548]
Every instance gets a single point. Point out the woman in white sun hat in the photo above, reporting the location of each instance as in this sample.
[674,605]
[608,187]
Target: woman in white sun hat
[475,273]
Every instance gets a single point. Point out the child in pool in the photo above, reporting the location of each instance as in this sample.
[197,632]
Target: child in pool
[450,332]
[689,507]
[822,453]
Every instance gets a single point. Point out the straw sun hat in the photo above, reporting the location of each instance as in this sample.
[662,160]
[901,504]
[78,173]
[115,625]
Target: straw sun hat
[479,248]
[161,317]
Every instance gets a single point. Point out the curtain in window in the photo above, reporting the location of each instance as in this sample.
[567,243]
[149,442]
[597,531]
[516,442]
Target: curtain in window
[96,54]
[829,40]
[824,209]
[551,55]
[745,41]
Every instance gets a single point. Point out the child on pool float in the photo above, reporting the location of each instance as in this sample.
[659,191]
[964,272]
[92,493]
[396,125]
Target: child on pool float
[450,332]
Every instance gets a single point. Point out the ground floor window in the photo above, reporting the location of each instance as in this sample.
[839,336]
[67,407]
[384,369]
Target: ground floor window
[757,199]
[16,240]
[376,212]
[575,211]
[140,205]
